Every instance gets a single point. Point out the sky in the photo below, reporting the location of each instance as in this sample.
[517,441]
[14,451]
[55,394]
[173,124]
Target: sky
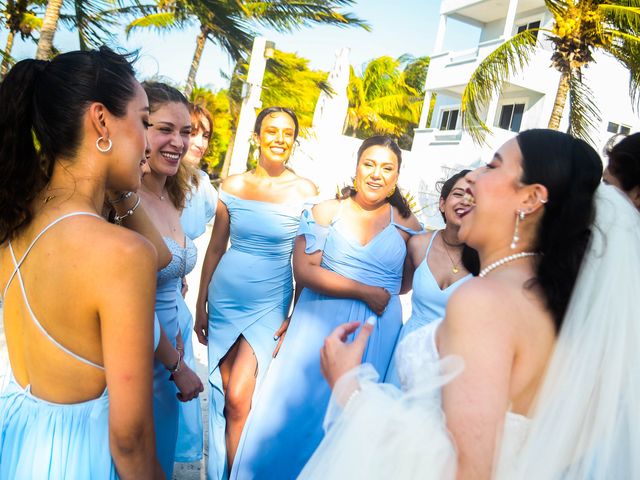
[397,27]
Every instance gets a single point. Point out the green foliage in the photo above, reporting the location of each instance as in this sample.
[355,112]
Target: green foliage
[217,103]
[416,73]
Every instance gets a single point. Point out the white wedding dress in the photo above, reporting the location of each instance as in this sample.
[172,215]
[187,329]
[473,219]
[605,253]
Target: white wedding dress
[586,423]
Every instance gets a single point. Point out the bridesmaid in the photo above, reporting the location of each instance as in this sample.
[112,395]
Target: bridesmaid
[163,194]
[349,258]
[245,292]
[199,210]
[437,264]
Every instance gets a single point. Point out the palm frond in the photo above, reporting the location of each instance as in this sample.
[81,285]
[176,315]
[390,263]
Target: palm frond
[489,77]
[584,115]
[161,22]
[627,52]
[623,18]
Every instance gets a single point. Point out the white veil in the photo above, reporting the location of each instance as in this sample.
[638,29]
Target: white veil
[586,422]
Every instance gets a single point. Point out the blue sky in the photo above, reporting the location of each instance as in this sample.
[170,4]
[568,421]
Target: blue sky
[397,27]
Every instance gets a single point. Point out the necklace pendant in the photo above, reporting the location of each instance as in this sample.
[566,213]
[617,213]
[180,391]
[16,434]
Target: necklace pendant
[455,269]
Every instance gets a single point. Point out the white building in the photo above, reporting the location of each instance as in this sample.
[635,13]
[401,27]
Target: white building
[526,101]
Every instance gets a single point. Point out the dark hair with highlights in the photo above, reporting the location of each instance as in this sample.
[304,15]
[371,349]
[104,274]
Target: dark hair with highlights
[42,105]
[470,258]
[397,199]
[570,169]
[178,185]
[271,110]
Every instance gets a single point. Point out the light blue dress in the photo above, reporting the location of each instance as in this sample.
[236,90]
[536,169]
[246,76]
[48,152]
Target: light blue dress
[165,402]
[428,303]
[249,295]
[199,210]
[285,426]
[45,440]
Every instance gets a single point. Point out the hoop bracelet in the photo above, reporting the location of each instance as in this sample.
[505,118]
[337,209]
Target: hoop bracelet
[176,368]
[123,196]
[119,218]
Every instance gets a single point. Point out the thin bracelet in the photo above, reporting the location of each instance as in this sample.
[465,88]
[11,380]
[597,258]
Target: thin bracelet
[176,368]
[122,197]
[119,218]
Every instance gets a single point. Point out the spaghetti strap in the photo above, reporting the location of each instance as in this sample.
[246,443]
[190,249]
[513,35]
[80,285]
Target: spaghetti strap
[408,230]
[16,272]
[433,237]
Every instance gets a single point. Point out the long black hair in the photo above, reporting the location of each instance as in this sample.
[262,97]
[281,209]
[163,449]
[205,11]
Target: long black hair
[43,103]
[624,161]
[396,199]
[470,258]
[570,170]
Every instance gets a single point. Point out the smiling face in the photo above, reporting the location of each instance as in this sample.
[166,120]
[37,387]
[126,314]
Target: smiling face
[377,173]
[198,140]
[168,137]
[457,204]
[495,193]
[276,139]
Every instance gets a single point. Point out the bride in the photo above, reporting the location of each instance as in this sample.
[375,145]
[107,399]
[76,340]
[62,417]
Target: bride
[533,372]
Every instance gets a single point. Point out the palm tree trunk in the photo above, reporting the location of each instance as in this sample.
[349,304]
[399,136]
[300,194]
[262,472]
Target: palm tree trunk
[561,100]
[195,63]
[48,30]
[7,50]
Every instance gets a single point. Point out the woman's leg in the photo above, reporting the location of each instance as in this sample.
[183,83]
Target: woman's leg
[239,369]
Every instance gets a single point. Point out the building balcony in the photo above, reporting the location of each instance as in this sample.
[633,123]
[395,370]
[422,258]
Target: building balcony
[480,12]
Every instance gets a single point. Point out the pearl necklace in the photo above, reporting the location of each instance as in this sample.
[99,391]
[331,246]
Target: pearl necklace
[502,261]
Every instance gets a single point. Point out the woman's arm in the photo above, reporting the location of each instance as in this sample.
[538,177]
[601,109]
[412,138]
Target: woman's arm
[188,382]
[309,274]
[215,250]
[475,403]
[125,297]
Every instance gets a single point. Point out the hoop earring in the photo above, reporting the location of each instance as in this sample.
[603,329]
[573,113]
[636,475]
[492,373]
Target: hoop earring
[355,185]
[108,147]
[516,236]
[393,190]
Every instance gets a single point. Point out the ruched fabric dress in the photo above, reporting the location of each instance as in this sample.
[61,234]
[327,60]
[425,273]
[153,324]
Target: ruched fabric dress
[249,295]
[285,425]
[165,402]
[428,303]
[198,211]
[45,440]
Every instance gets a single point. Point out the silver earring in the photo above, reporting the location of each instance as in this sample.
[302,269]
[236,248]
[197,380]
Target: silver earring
[107,148]
[516,236]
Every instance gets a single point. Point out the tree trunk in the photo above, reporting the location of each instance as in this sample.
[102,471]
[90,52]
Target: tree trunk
[7,50]
[48,30]
[561,100]
[195,63]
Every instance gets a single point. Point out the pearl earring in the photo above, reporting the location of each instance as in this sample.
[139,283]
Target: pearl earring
[516,236]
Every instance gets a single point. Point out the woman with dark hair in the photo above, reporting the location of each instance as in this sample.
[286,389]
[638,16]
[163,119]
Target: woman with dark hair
[623,170]
[77,290]
[163,193]
[348,258]
[245,291]
[437,263]
[536,355]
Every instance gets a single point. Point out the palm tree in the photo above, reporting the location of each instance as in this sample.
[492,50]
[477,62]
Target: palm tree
[20,19]
[381,101]
[230,23]
[48,29]
[580,28]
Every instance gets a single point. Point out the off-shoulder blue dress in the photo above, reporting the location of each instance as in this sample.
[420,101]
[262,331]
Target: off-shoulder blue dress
[249,295]
[285,426]
[165,402]
[428,303]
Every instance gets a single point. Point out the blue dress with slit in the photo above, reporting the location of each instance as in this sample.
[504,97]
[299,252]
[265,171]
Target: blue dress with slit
[285,425]
[249,295]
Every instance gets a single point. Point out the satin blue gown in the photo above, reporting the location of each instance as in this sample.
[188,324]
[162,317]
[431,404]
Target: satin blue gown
[249,295]
[165,402]
[285,426]
[44,440]
[198,211]
[428,303]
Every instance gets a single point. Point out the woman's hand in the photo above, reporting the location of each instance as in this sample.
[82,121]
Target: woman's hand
[377,298]
[338,357]
[201,324]
[279,335]
[188,383]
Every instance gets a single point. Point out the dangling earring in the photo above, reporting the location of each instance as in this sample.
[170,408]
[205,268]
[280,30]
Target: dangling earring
[355,184]
[516,236]
[107,148]
[393,190]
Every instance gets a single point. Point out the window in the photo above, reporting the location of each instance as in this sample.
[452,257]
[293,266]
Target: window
[613,127]
[449,119]
[529,26]
[511,117]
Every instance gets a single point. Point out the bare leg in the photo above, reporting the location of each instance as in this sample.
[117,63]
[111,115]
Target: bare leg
[241,370]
